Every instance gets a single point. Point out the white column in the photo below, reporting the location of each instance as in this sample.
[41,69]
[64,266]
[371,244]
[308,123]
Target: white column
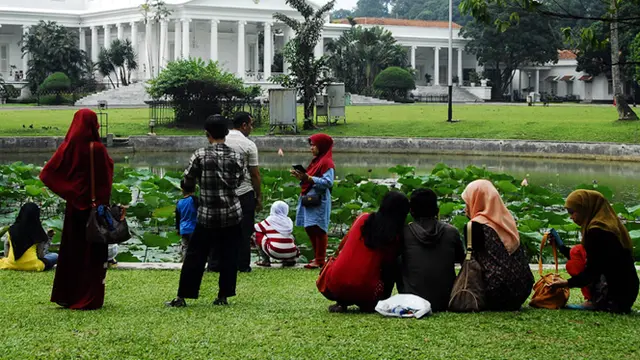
[82,39]
[94,44]
[537,81]
[459,66]
[287,32]
[134,46]
[177,41]
[214,39]
[436,66]
[241,44]
[413,56]
[148,48]
[256,56]
[25,57]
[164,43]
[185,38]
[107,36]
[267,58]
[319,49]
[120,31]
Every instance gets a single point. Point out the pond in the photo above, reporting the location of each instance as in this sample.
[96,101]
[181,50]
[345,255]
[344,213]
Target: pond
[563,175]
[538,207]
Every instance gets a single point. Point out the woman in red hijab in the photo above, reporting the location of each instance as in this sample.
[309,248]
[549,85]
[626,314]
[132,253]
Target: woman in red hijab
[317,181]
[81,270]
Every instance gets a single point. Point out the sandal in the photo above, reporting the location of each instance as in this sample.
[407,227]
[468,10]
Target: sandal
[312,265]
[263,263]
[289,263]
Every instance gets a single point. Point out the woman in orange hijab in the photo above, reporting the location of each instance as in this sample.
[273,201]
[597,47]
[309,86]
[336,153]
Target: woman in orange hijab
[609,270]
[81,270]
[496,246]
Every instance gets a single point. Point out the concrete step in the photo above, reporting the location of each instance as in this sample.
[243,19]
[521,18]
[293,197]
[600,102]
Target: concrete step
[459,93]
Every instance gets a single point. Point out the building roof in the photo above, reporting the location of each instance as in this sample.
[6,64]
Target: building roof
[567,78]
[398,22]
[586,77]
[567,55]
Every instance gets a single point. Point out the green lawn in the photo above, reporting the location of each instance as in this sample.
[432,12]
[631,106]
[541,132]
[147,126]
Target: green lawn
[278,314]
[565,123]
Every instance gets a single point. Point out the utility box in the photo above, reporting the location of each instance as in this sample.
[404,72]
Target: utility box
[332,105]
[282,110]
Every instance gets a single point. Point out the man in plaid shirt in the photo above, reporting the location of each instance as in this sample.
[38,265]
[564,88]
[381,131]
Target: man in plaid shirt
[219,171]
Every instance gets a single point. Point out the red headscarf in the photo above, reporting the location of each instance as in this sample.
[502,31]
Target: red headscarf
[323,161]
[68,172]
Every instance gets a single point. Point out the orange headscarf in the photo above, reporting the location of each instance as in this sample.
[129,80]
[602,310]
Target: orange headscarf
[486,207]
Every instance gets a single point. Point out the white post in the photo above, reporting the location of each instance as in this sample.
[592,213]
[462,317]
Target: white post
[107,36]
[267,59]
[256,58]
[25,57]
[120,31]
[134,46]
[450,51]
[241,44]
[82,39]
[287,36]
[185,38]
[319,49]
[148,33]
[214,39]
[537,81]
[164,43]
[94,44]
[413,56]
[177,41]
[459,66]
[436,66]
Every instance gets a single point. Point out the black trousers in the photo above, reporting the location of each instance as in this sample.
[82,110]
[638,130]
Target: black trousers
[248,204]
[225,241]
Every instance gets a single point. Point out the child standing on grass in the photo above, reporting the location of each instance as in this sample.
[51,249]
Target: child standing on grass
[186,215]
[274,237]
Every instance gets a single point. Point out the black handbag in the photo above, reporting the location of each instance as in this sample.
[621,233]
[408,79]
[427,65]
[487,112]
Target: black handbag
[313,200]
[105,225]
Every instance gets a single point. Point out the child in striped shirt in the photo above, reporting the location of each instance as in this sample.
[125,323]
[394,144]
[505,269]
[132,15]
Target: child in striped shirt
[274,237]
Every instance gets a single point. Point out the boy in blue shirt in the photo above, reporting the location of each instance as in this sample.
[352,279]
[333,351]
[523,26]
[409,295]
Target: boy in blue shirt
[186,215]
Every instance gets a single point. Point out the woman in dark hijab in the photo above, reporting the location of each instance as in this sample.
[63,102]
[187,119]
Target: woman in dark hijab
[27,243]
[82,268]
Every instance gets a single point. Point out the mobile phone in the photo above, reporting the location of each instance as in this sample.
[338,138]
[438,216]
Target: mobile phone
[299,168]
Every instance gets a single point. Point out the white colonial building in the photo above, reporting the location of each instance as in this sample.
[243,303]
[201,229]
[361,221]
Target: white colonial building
[228,32]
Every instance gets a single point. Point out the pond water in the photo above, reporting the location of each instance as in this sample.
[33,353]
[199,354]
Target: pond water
[564,175]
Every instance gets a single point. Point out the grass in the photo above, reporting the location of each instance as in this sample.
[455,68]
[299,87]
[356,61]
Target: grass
[278,314]
[563,123]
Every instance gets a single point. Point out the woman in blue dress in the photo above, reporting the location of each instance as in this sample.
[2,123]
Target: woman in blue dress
[314,212]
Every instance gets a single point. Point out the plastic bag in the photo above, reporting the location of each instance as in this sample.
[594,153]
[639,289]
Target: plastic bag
[404,305]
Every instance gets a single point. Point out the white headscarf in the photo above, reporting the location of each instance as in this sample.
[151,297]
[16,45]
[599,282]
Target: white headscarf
[279,218]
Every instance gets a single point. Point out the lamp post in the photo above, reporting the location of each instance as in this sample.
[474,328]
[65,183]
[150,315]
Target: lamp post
[152,124]
[450,63]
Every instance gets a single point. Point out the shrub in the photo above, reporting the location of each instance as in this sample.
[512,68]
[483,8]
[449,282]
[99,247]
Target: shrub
[394,82]
[10,91]
[197,89]
[56,99]
[56,82]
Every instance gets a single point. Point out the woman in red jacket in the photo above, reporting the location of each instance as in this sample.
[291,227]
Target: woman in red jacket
[363,272]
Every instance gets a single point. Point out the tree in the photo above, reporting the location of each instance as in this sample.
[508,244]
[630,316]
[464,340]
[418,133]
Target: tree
[360,54]
[52,48]
[341,14]
[372,8]
[306,70]
[533,40]
[635,56]
[153,11]
[428,10]
[618,15]
[119,59]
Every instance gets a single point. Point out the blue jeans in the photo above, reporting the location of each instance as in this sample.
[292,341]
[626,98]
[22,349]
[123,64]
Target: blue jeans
[49,260]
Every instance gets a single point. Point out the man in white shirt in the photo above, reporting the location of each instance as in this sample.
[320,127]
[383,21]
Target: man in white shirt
[249,191]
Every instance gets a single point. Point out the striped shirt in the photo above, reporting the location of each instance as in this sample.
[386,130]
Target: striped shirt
[276,245]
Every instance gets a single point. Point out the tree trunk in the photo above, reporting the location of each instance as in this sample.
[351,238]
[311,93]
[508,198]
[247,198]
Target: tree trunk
[309,101]
[624,110]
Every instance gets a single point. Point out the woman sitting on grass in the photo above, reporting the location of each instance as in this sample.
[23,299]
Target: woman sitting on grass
[496,246]
[26,246]
[274,237]
[364,270]
[608,271]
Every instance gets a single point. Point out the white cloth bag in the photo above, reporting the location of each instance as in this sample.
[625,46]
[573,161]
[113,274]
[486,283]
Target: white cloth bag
[404,305]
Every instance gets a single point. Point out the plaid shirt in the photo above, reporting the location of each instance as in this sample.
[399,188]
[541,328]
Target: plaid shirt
[219,171]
